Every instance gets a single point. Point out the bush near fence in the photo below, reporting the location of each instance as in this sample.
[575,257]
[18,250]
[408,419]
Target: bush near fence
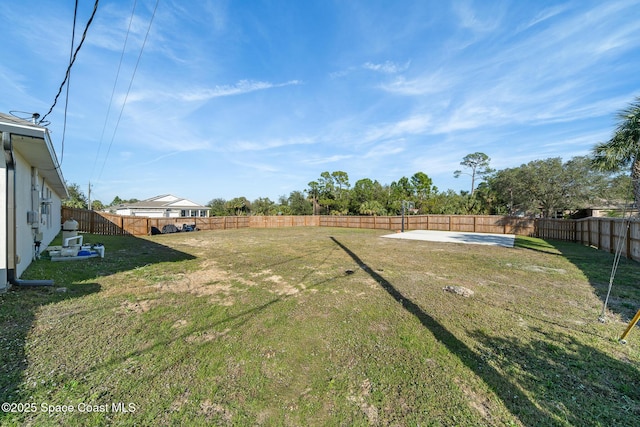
[608,234]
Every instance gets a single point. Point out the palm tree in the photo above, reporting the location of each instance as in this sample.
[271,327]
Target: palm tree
[623,149]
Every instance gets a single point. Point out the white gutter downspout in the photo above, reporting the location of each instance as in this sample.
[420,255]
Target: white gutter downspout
[9,213]
[4,214]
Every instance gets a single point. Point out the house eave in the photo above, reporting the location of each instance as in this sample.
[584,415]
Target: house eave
[34,144]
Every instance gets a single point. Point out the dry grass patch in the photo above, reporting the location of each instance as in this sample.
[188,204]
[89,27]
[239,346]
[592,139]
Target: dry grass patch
[317,326]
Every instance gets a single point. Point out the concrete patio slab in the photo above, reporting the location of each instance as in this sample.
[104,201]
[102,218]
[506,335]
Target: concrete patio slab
[506,240]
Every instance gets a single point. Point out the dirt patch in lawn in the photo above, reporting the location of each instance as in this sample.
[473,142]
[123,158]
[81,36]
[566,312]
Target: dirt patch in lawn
[139,307]
[282,288]
[208,280]
[207,336]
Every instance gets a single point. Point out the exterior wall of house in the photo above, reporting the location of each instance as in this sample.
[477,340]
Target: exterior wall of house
[50,215]
[46,220]
[176,212]
[3,226]
[151,213]
[156,213]
[24,232]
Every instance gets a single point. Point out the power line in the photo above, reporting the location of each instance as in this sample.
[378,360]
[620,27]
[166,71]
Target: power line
[113,90]
[135,69]
[66,101]
[66,77]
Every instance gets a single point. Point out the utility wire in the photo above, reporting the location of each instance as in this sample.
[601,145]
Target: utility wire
[129,88]
[113,90]
[66,77]
[66,101]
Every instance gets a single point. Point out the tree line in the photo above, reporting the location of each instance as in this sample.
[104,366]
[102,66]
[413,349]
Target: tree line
[544,188]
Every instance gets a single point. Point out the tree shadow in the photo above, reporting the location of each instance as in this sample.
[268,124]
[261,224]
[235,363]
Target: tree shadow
[597,266]
[18,308]
[517,225]
[122,253]
[73,279]
[503,240]
[141,248]
[570,383]
[511,395]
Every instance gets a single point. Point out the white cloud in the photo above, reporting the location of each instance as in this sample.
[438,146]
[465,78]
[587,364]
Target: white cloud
[388,148]
[543,16]
[413,125]
[329,159]
[387,67]
[204,94]
[426,84]
[241,87]
[478,20]
[268,144]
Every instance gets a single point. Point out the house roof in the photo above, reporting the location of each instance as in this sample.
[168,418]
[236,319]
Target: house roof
[34,144]
[166,201]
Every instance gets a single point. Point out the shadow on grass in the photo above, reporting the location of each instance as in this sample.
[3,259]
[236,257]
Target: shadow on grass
[122,253]
[512,396]
[551,381]
[235,320]
[573,383]
[19,306]
[597,267]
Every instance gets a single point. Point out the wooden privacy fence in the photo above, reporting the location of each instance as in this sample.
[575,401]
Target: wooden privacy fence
[470,223]
[603,233]
[110,224]
[607,234]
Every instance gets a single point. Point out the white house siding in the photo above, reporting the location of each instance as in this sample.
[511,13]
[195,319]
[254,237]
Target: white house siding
[24,232]
[30,198]
[163,212]
[51,216]
[48,223]
[155,213]
[123,212]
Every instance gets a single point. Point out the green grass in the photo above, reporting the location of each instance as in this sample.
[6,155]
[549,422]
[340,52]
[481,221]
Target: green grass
[321,326]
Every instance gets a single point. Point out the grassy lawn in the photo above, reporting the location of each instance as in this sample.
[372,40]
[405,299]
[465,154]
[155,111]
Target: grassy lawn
[321,326]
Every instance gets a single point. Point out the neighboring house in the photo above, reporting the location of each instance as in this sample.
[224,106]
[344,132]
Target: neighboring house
[608,211]
[31,191]
[166,206]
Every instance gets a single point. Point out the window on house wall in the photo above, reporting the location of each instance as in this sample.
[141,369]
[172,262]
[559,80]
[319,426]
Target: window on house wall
[183,213]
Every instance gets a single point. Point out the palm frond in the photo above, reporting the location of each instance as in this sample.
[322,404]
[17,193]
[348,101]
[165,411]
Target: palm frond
[623,148]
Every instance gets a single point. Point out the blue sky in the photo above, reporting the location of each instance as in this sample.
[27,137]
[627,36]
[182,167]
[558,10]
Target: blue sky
[258,98]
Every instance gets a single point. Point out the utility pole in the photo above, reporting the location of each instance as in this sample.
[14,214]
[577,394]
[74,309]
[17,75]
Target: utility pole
[403,205]
[89,196]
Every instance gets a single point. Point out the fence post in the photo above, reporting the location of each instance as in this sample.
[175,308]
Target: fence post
[612,230]
[628,238]
[599,234]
